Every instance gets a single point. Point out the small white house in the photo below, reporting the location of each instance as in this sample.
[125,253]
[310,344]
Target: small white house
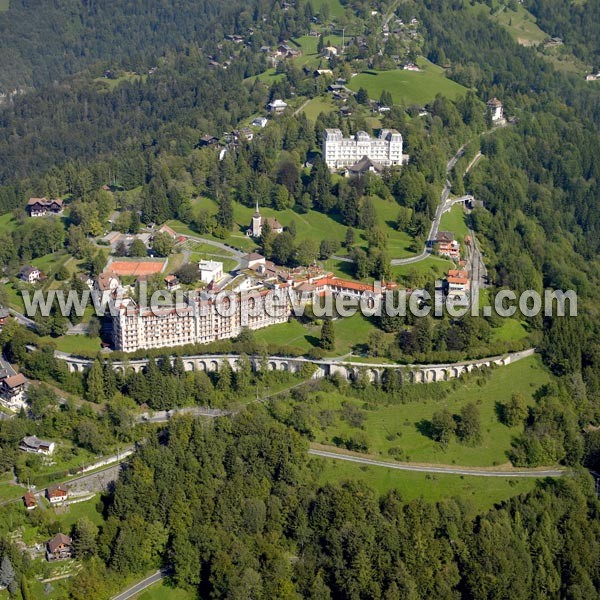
[30,274]
[210,270]
[277,106]
[57,493]
[260,122]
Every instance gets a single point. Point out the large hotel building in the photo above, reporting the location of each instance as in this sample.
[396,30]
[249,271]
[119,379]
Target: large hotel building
[258,296]
[338,151]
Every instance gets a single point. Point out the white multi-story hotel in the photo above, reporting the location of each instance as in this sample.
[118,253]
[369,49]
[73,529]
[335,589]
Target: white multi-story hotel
[260,295]
[338,151]
[197,322]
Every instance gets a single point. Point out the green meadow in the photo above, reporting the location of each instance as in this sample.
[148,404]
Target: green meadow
[408,87]
[480,492]
[402,427]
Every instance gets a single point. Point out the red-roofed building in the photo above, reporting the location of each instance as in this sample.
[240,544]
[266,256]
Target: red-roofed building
[29,501]
[447,245]
[57,493]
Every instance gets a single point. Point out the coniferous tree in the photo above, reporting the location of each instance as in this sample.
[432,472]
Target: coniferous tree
[7,572]
[327,341]
[95,383]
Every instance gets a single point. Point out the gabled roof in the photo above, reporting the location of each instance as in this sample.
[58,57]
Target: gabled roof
[15,381]
[44,201]
[57,489]
[60,539]
[445,237]
[34,442]
[364,165]
[273,223]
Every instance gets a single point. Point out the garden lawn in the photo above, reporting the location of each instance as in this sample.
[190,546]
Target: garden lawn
[75,344]
[350,331]
[74,512]
[481,492]
[408,87]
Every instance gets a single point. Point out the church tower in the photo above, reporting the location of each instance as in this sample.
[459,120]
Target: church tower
[256,222]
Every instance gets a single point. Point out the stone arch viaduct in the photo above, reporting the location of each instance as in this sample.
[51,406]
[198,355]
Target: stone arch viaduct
[324,368]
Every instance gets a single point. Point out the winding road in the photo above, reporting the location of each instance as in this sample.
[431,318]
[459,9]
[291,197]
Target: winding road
[445,204]
[140,586]
[449,470]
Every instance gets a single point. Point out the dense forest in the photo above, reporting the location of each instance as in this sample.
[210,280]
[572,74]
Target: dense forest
[236,511]
[574,22]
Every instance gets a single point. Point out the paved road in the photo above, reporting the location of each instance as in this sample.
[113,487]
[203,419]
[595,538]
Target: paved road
[163,416]
[444,205]
[22,319]
[229,249]
[437,469]
[142,585]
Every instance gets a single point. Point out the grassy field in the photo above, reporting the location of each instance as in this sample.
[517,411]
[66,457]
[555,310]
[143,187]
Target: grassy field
[348,332]
[401,425]
[511,329]
[481,492]
[417,274]
[455,220]
[163,591]
[335,7]
[8,491]
[4,4]
[408,87]
[521,24]
[74,512]
[75,343]
[269,77]
[292,333]
[7,221]
[111,84]
[310,57]
[309,225]
[318,105]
